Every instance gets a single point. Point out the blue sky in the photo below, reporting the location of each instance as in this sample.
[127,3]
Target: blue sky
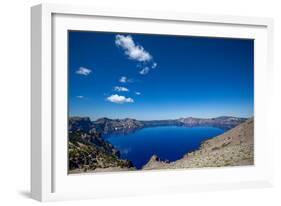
[143,76]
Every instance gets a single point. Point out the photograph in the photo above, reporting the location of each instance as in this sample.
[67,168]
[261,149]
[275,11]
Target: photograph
[139,102]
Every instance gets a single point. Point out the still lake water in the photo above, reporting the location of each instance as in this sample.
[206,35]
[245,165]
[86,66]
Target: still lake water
[167,142]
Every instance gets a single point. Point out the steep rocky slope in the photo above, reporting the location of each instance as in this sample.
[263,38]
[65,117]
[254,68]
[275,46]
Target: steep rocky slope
[233,148]
[90,152]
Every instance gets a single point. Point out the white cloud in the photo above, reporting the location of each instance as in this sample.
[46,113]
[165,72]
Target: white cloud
[137,93]
[136,52]
[124,79]
[144,71]
[83,71]
[115,98]
[80,97]
[121,89]
[154,65]
[133,51]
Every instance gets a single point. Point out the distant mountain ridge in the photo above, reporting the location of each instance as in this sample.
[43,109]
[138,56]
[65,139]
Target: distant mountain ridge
[108,126]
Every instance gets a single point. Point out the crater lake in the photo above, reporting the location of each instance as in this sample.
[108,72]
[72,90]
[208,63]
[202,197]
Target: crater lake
[167,142]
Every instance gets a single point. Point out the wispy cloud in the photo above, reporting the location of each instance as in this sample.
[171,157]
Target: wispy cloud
[83,71]
[121,89]
[137,93]
[144,71]
[147,69]
[80,97]
[115,98]
[136,52]
[124,79]
[131,49]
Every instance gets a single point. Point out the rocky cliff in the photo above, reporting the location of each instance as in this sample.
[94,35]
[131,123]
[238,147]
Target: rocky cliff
[89,152]
[79,124]
[108,126]
[233,148]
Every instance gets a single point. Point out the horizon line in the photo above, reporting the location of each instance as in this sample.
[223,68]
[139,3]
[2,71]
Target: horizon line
[94,119]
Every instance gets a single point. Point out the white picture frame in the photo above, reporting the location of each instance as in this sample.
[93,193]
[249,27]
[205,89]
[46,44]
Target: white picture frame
[49,180]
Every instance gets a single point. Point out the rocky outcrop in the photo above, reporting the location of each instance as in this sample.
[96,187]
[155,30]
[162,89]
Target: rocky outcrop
[79,124]
[103,125]
[233,148]
[108,126]
[89,152]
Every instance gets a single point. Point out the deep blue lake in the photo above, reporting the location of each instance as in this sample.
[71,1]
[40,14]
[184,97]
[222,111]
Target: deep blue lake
[167,142]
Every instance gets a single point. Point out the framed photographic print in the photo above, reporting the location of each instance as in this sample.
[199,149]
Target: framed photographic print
[135,102]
